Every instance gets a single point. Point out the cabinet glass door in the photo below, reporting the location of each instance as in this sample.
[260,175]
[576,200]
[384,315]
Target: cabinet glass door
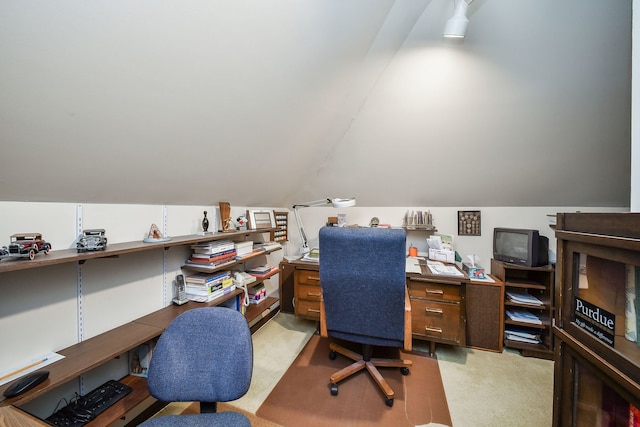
[599,404]
[604,306]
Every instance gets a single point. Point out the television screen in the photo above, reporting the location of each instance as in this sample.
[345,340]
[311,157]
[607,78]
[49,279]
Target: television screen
[520,246]
[512,244]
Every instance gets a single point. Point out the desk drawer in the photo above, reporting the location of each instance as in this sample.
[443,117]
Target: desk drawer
[434,291]
[307,277]
[431,319]
[307,292]
[308,309]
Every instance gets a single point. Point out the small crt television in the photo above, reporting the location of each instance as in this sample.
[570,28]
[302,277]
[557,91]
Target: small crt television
[520,246]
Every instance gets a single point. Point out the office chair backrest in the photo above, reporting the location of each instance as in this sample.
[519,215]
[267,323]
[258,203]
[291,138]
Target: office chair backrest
[363,279]
[205,355]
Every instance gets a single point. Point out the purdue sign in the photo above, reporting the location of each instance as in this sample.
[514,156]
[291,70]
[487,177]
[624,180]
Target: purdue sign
[595,320]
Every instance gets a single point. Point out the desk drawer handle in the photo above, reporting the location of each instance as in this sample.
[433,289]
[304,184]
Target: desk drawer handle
[314,294]
[317,279]
[437,330]
[313,310]
[435,291]
[433,310]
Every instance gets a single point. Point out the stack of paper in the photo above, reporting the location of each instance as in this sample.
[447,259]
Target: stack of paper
[523,298]
[523,316]
[522,335]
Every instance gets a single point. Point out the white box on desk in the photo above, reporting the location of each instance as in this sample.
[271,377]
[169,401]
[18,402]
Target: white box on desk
[442,255]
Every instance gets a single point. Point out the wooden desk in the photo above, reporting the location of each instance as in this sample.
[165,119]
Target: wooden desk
[449,310]
[14,417]
[438,308]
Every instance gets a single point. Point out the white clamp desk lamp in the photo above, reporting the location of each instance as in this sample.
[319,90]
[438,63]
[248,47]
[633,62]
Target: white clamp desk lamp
[336,203]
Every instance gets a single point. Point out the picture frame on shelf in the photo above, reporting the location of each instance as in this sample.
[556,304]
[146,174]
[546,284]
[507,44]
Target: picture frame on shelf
[261,219]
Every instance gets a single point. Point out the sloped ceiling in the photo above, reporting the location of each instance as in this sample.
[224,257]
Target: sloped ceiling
[272,103]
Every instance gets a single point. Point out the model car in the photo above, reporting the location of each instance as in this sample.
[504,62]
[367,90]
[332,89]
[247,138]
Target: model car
[92,240]
[26,245]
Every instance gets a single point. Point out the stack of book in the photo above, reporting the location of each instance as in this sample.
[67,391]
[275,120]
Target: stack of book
[213,254]
[203,287]
[243,248]
[257,294]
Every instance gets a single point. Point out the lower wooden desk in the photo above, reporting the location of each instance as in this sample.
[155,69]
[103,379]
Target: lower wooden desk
[12,416]
[444,309]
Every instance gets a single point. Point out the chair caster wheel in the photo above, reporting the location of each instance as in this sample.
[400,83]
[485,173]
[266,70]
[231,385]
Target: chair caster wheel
[388,401]
[404,371]
[332,355]
[334,389]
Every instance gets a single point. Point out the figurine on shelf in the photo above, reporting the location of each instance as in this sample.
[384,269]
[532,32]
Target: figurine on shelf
[241,223]
[205,223]
[154,232]
[155,235]
[225,216]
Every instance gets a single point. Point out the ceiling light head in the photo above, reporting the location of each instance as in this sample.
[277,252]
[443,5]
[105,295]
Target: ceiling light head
[456,26]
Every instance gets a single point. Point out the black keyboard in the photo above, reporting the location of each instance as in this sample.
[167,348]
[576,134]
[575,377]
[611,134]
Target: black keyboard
[86,408]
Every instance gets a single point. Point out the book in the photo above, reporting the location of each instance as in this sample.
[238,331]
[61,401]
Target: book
[244,248]
[207,289]
[214,262]
[139,359]
[213,247]
[634,416]
[212,296]
[202,278]
[211,266]
[216,256]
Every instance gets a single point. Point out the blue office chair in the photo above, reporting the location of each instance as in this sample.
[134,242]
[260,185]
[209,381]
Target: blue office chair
[365,298]
[205,355]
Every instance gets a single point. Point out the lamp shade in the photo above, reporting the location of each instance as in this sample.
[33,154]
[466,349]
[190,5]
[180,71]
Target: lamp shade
[343,203]
[456,26]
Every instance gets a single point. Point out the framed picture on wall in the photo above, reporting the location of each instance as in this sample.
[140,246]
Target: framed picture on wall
[261,219]
[469,223]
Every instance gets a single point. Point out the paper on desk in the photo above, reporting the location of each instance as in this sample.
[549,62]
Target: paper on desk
[445,270]
[412,265]
[31,366]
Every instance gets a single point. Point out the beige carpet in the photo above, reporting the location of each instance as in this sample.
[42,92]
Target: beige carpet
[483,389]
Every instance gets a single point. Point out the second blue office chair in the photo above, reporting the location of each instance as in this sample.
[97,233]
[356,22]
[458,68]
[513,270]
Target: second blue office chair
[205,355]
[364,298]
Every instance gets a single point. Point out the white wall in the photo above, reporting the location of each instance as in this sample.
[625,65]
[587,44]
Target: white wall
[445,220]
[43,310]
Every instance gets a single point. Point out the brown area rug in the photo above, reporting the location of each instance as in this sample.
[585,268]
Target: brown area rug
[302,395]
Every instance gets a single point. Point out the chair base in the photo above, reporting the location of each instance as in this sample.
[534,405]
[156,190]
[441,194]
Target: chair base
[363,361]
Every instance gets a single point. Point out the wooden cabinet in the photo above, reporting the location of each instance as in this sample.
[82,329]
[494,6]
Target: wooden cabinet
[307,293]
[281,233]
[437,310]
[597,351]
[90,353]
[485,314]
[534,337]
